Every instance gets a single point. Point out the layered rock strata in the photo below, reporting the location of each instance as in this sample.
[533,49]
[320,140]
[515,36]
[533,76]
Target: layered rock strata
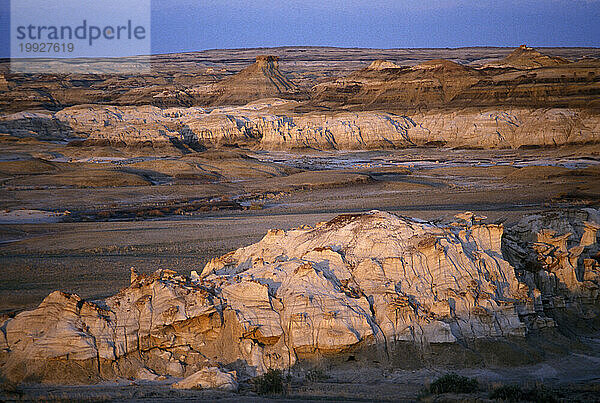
[262,125]
[525,57]
[263,79]
[365,281]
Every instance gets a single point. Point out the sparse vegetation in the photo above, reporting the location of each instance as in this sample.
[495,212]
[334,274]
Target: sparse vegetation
[316,375]
[514,393]
[270,383]
[453,383]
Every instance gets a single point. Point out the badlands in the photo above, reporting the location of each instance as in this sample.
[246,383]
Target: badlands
[364,221]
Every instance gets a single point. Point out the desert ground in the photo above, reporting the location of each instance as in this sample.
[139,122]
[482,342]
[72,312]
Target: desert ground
[103,174]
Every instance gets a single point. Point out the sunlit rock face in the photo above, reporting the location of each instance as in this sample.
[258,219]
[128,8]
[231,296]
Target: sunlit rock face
[487,128]
[525,57]
[365,281]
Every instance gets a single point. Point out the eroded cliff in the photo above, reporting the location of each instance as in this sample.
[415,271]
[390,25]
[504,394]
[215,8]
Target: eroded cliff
[367,282]
[267,125]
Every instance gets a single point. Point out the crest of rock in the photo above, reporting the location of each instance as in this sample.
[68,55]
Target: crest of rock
[382,65]
[528,58]
[360,282]
[263,79]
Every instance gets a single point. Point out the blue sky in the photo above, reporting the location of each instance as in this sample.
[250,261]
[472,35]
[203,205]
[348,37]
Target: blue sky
[190,25]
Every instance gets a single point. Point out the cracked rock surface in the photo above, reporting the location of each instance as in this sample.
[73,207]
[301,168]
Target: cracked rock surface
[364,281]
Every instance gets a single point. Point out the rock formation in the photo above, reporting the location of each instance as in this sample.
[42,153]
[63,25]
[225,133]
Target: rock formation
[263,79]
[528,58]
[558,256]
[492,128]
[380,64]
[262,125]
[383,105]
[528,79]
[194,79]
[3,83]
[358,282]
[35,124]
[209,378]
[430,84]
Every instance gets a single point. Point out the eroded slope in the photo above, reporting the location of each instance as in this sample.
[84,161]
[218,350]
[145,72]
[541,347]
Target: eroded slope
[359,282]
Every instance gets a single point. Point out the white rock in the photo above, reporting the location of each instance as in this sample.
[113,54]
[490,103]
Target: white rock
[209,378]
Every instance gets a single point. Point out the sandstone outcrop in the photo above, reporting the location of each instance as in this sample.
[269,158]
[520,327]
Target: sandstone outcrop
[365,281]
[478,128]
[263,125]
[380,64]
[558,256]
[209,378]
[525,57]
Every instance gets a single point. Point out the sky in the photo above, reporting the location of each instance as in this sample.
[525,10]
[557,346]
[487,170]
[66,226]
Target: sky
[194,25]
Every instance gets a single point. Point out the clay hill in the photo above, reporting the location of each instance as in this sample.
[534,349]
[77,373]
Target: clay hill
[433,83]
[526,77]
[229,76]
[367,288]
[263,79]
[528,58]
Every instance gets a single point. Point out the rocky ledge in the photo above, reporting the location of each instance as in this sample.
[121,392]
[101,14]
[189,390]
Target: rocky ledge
[372,283]
[270,125]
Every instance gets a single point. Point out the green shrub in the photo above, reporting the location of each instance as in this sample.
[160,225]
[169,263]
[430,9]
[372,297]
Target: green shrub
[270,383]
[514,393]
[316,375]
[511,393]
[453,383]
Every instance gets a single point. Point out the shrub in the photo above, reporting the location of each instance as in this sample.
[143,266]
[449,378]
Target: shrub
[453,383]
[511,393]
[270,383]
[514,393]
[316,375]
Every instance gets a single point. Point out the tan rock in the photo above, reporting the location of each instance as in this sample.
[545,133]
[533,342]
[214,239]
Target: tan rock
[525,57]
[209,378]
[358,281]
[261,125]
[382,65]
[3,83]
[590,234]
[263,79]
[554,253]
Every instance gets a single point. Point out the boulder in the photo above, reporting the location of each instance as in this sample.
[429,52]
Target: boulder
[209,378]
